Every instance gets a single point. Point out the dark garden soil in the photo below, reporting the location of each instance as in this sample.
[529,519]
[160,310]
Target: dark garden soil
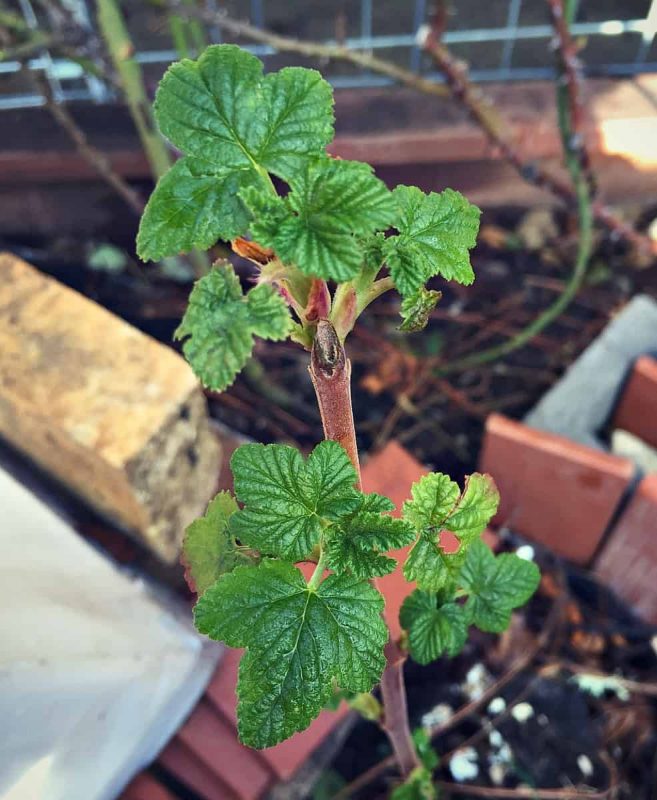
[510,730]
[558,736]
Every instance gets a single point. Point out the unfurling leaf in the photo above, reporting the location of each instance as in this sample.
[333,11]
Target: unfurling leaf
[208,549]
[416,309]
[435,505]
[234,126]
[316,227]
[357,544]
[299,642]
[220,322]
[287,501]
[436,231]
[434,629]
[496,585]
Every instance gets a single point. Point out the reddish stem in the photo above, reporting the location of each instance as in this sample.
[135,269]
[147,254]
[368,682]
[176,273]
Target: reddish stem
[330,370]
[395,708]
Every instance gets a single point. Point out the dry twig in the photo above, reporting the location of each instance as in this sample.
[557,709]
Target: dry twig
[482,111]
[98,160]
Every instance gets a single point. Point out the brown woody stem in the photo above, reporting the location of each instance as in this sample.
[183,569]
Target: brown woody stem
[330,370]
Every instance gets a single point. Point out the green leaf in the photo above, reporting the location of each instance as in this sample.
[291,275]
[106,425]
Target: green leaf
[430,566]
[267,213]
[424,749]
[220,322]
[191,208]
[435,505]
[299,642]
[418,786]
[372,249]
[416,309]
[376,503]
[208,549]
[433,629]
[330,205]
[435,233]
[475,509]
[496,585]
[222,110]
[432,499]
[235,126]
[357,544]
[288,501]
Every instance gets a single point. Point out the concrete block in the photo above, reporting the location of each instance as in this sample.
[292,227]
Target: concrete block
[109,412]
[579,405]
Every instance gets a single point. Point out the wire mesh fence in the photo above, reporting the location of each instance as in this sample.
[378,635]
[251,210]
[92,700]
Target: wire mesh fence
[502,40]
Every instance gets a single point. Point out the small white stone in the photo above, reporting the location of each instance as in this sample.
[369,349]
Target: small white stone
[522,712]
[497,774]
[438,715]
[504,754]
[653,643]
[476,681]
[496,740]
[526,552]
[585,765]
[496,705]
[463,765]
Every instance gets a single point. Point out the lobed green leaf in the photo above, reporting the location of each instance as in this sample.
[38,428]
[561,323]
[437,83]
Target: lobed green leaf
[208,549]
[220,322]
[430,566]
[496,585]
[435,505]
[190,208]
[299,642]
[235,126]
[286,500]
[316,227]
[358,543]
[436,231]
[434,629]
[475,509]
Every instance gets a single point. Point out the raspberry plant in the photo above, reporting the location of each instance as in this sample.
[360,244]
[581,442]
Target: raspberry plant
[245,136]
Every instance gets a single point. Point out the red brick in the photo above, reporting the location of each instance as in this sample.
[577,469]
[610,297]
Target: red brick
[392,472]
[212,739]
[553,491]
[628,562]
[145,787]
[184,765]
[637,409]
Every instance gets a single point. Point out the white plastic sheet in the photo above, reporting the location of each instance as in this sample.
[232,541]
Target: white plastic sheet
[95,673]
